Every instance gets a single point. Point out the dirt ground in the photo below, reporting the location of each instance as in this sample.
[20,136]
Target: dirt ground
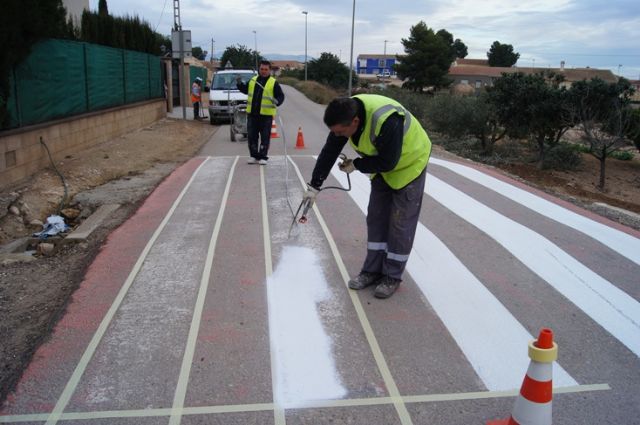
[34,294]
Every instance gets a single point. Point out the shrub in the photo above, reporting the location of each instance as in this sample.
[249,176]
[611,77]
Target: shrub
[622,155]
[317,92]
[563,156]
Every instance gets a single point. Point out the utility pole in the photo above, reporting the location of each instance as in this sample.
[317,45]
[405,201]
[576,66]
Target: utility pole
[353,20]
[255,49]
[212,49]
[178,27]
[305,43]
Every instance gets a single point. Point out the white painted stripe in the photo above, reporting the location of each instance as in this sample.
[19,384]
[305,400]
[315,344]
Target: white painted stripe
[278,408]
[303,350]
[69,389]
[383,367]
[187,359]
[610,307]
[541,372]
[493,341]
[618,241]
[526,412]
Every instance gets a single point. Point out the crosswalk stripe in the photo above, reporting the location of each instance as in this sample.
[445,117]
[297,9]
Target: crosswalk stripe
[610,307]
[466,307]
[625,244]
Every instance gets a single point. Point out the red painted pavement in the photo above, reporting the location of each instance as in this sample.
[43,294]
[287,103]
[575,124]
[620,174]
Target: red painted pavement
[53,363]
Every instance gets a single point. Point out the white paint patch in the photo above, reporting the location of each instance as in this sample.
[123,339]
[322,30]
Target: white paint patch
[491,338]
[305,367]
[621,242]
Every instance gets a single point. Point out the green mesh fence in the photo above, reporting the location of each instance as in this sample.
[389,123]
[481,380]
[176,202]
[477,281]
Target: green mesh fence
[62,78]
[194,72]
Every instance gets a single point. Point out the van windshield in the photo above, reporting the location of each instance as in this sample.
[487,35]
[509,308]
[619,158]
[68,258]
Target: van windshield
[228,81]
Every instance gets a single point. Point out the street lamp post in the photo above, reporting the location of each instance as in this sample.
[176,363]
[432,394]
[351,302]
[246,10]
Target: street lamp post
[305,43]
[255,41]
[384,56]
[353,19]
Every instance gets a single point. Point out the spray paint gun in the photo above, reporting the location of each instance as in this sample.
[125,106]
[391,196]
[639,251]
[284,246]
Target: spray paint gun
[308,202]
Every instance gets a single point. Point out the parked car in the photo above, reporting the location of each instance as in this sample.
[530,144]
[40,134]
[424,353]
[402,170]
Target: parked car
[384,74]
[223,91]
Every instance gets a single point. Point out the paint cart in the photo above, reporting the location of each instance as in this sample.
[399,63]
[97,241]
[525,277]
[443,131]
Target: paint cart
[237,120]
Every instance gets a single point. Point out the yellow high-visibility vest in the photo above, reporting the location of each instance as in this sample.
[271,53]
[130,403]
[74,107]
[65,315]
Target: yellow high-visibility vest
[268,104]
[416,146]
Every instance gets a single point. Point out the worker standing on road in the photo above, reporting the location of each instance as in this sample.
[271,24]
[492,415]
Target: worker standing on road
[264,95]
[394,150]
[196,97]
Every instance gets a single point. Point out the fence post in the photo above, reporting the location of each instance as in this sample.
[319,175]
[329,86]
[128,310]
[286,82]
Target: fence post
[16,98]
[124,77]
[86,77]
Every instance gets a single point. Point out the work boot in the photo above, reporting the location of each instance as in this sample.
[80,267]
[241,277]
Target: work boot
[363,280]
[386,287]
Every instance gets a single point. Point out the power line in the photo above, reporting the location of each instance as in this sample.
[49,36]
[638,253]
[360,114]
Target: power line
[161,13]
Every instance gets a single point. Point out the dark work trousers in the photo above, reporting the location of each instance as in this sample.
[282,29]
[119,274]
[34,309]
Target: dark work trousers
[196,110]
[259,125]
[392,219]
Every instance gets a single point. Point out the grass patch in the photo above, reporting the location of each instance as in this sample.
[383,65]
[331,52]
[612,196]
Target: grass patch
[313,90]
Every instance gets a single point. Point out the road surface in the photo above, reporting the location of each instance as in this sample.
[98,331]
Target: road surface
[202,309]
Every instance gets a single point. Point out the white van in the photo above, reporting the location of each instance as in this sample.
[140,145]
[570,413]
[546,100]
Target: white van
[223,89]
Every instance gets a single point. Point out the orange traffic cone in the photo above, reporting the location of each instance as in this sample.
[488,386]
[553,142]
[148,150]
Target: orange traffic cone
[533,405]
[300,139]
[274,130]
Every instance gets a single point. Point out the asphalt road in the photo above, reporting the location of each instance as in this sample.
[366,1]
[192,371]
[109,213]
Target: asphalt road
[203,309]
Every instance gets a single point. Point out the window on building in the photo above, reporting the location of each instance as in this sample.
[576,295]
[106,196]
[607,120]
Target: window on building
[363,63]
[464,81]
[381,63]
[478,84]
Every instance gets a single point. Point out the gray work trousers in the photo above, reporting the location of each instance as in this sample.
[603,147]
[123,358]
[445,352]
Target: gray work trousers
[392,219]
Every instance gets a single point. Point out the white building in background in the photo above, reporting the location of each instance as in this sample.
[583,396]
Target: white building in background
[75,9]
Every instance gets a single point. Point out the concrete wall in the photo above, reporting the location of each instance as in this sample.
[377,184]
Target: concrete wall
[22,154]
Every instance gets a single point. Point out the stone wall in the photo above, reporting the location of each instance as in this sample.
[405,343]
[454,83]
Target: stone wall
[22,154]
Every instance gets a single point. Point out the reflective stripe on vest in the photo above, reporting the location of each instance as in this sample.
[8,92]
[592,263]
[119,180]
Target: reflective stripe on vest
[268,101]
[416,146]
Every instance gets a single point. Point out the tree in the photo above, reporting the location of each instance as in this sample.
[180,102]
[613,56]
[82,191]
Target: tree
[23,23]
[458,48]
[427,60]
[240,56]
[458,116]
[328,70]
[502,55]
[198,53]
[528,106]
[604,112]
[103,10]
[634,128]
[127,32]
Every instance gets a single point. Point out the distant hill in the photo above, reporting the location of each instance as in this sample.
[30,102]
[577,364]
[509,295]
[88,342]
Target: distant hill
[280,57]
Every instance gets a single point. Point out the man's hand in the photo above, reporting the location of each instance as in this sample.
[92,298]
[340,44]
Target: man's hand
[347,166]
[310,194]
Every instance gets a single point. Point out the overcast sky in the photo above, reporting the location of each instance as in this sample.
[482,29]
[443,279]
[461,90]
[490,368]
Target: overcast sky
[595,33]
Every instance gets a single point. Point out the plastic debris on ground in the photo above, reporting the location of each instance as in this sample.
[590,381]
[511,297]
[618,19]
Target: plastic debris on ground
[54,225]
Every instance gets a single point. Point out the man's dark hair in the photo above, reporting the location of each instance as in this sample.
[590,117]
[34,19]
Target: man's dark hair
[265,62]
[341,110]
